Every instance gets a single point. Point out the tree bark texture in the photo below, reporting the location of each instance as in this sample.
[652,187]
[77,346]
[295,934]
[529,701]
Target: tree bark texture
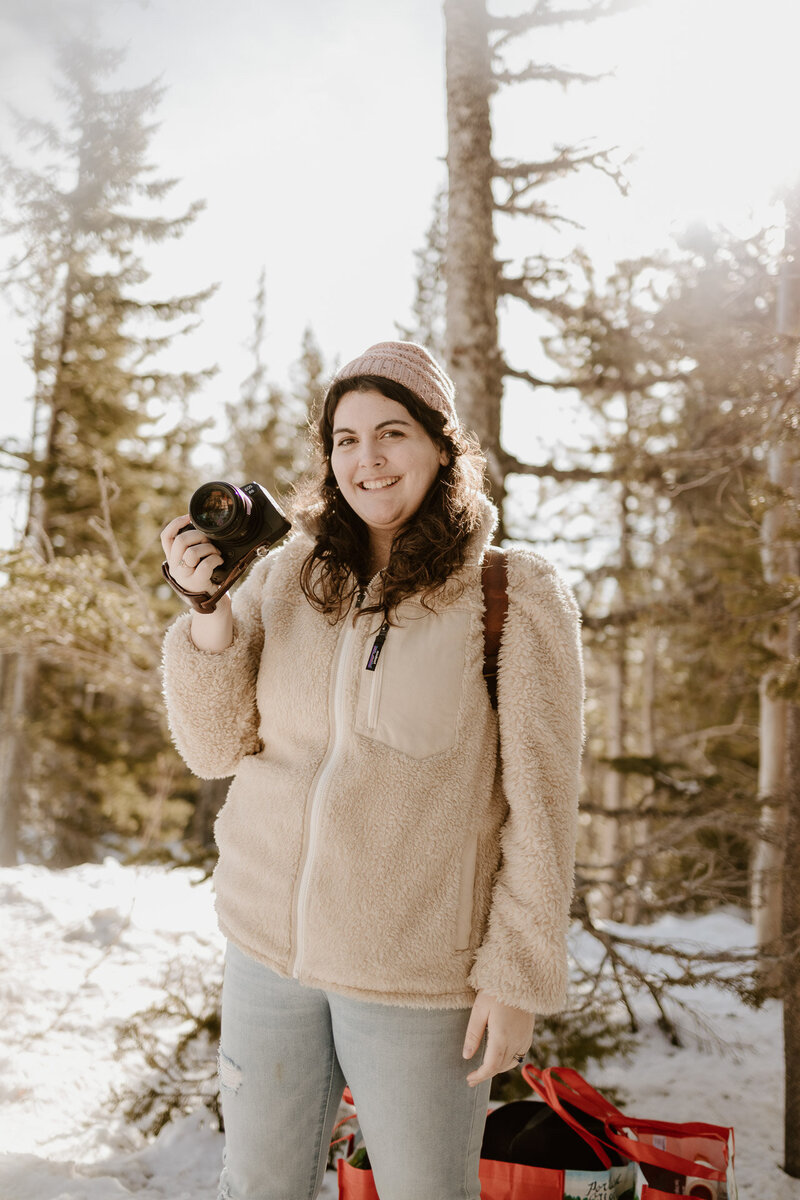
[637,873]
[791,925]
[789,327]
[17,674]
[473,353]
[768,857]
[608,830]
[789,323]
[609,841]
[777,556]
[211,795]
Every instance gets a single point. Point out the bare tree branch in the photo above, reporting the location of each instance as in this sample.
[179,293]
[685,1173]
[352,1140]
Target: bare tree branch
[543,14]
[106,529]
[589,383]
[556,384]
[513,466]
[520,288]
[547,73]
[521,176]
[539,209]
[702,480]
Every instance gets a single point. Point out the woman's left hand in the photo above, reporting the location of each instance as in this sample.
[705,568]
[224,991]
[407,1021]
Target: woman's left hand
[509,1034]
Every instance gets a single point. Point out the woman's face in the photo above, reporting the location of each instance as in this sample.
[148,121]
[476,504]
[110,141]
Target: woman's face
[384,462]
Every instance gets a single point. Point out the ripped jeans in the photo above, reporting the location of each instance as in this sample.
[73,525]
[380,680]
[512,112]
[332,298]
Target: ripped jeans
[286,1051]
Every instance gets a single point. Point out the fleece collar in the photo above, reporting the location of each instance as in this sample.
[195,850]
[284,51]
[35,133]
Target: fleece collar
[481,537]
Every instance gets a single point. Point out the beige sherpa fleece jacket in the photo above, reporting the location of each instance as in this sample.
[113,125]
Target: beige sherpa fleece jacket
[372,841]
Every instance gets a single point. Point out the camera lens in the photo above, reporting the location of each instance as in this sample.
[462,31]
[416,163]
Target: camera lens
[219,509]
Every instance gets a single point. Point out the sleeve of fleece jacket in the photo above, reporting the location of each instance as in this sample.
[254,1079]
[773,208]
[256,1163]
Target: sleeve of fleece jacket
[523,958]
[211,698]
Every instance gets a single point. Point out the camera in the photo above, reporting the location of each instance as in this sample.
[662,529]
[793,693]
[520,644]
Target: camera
[241,522]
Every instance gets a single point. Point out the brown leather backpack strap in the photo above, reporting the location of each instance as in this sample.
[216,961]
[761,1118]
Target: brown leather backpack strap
[494,580]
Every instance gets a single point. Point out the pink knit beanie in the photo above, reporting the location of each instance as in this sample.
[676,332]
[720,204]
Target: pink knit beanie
[411,365]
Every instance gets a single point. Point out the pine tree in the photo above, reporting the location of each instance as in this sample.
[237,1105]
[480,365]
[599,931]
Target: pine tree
[788,328]
[310,379]
[267,424]
[480,188]
[106,469]
[428,327]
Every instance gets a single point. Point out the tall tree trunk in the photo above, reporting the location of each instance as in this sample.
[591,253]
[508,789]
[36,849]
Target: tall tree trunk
[608,827]
[211,795]
[767,868]
[17,674]
[777,557]
[789,325]
[473,353]
[609,841]
[791,915]
[641,827]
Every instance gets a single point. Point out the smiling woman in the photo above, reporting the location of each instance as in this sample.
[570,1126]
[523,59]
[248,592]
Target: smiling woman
[384,463]
[377,933]
[419,464]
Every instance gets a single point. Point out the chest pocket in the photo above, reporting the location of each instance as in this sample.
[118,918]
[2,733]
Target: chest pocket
[411,700]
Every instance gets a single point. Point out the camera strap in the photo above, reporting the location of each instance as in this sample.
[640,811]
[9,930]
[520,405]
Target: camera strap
[201,601]
[494,581]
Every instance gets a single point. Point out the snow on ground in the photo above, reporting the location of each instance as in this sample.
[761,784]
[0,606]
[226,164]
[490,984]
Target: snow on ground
[84,949]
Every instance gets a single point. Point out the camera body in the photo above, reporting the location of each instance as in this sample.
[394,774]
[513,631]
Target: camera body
[242,523]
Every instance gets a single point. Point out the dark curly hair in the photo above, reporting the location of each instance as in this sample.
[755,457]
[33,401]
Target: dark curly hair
[426,552]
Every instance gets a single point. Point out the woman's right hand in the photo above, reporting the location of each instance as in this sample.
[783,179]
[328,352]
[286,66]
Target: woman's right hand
[190,556]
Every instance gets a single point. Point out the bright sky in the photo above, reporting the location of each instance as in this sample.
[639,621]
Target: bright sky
[316,132]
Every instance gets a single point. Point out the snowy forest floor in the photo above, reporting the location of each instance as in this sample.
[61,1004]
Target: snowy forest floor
[84,949]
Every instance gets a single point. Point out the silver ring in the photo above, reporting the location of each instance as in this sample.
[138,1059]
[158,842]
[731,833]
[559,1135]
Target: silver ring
[183,563]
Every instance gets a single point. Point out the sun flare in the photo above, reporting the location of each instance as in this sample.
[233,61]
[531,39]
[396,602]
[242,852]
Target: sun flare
[710,87]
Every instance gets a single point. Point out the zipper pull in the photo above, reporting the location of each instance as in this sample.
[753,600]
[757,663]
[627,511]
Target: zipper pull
[377,646]
[360,597]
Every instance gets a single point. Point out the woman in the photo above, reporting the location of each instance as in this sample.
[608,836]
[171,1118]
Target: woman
[395,893]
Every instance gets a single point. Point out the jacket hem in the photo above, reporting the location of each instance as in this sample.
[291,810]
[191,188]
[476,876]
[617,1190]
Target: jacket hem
[400,999]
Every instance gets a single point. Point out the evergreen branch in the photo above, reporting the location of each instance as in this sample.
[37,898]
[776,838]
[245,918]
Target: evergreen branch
[538,209]
[619,383]
[623,991]
[513,466]
[106,529]
[547,74]
[736,955]
[567,160]
[543,15]
[21,456]
[519,288]
[14,266]
[716,473]
[650,809]
[535,381]
[624,618]
[711,731]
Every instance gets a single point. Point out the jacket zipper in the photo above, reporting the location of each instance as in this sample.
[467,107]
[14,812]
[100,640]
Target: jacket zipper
[374,698]
[375,664]
[337,725]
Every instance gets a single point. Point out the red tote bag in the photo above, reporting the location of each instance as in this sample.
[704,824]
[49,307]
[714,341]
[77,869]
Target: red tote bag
[499,1181]
[698,1154]
[698,1157]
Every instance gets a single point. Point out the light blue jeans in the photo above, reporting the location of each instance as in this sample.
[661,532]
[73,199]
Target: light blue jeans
[285,1054]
